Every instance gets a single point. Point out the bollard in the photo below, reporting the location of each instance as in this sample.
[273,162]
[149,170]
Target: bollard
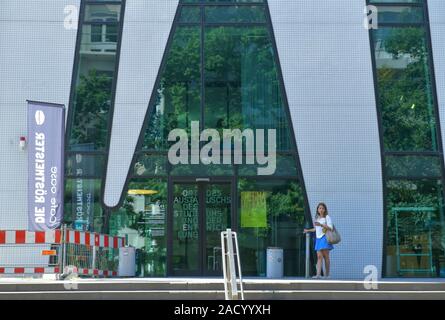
[308,243]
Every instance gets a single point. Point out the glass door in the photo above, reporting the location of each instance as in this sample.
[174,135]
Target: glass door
[201,210]
[185,234]
[218,203]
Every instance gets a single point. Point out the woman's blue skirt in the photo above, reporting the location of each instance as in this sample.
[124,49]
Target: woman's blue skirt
[323,244]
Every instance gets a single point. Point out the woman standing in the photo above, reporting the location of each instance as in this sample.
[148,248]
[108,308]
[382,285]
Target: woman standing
[322,224]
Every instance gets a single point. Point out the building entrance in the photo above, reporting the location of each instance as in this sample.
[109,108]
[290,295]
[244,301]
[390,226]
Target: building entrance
[201,209]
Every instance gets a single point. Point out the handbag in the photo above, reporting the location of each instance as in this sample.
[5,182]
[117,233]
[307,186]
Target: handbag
[333,236]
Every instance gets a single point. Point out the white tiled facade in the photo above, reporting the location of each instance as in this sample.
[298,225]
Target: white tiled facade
[37,49]
[436,10]
[145,34]
[328,76]
[325,56]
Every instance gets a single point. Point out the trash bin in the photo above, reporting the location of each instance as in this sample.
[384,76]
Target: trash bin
[274,267]
[127,262]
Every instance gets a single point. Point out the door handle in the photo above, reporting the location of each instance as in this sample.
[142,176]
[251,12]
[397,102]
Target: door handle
[202,180]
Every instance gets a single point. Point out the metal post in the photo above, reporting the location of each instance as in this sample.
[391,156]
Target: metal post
[64,231]
[239,266]
[308,244]
[223,252]
[94,260]
[232,270]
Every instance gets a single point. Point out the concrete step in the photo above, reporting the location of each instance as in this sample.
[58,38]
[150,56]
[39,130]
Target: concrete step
[171,284]
[213,289]
[219,295]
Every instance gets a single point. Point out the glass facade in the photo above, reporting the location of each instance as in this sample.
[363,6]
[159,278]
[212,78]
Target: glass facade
[94,75]
[412,149]
[142,220]
[280,226]
[220,69]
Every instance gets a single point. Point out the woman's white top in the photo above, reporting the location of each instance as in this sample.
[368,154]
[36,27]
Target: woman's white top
[319,230]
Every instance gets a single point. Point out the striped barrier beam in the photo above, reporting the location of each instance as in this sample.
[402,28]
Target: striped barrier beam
[94,239]
[96,272]
[30,237]
[28,270]
[54,237]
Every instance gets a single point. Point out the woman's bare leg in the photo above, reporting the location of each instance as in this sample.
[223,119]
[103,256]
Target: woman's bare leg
[327,262]
[319,262]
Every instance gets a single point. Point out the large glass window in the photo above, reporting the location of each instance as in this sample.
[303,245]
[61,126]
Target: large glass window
[95,73]
[241,82]
[143,221]
[415,229]
[220,69]
[271,215]
[89,113]
[406,103]
[413,160]
[179,98]
[83,208]
[223,76]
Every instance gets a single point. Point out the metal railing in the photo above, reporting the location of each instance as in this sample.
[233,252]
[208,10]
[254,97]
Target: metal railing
[229,242]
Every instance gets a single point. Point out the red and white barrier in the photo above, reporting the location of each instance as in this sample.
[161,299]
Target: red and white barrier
[27,270]
[96,272]
[94,239]
[30,237]
[55,238]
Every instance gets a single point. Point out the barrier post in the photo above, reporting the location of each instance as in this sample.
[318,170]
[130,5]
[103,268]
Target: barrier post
[225,272]
[64,230]
[238,260]
[94,260]
[308,244]
[229,270]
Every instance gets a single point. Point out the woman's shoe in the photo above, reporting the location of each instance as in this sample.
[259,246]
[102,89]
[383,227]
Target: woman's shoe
[327,277]
[316,277]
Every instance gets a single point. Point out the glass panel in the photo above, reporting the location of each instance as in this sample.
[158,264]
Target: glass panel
[143,221]
[232,14]
[96,33]
[217,211]
[83,209]
[185,255]
[405,93]
[100,40]
[413,166]
[190,14]
[271,214]
[415,229]
[92,97]
[285,166]
[400,14]
[84,165]
[150,165]
[242,90]
[202,170]
[179,97]
[102,13]
[111,33]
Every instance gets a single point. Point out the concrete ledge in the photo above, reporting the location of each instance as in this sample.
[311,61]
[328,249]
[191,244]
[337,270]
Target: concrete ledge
[219,295]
